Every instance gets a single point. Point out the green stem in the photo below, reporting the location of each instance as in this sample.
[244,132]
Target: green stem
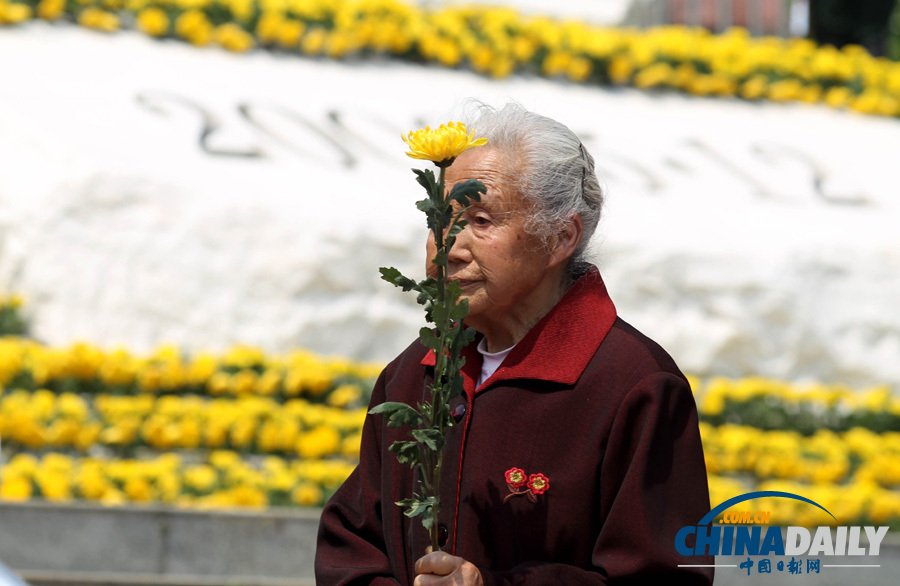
[435,546]
[437,403]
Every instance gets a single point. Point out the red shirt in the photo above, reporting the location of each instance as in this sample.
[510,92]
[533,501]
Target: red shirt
[584,400]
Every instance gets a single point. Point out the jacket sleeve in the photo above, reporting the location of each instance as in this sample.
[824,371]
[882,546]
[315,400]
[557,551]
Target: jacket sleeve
[652,482]
[351,546]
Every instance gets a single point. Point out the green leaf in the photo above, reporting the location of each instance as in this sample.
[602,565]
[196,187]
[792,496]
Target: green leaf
[432,438]
[407,452]
[440,313]
[428,291]
[455,229]
[456,387]
[410,502]
[457,310]
[446,216]
[426,179]
[430,339]
[431,211]
[454,290]
[440,258]
[417,506]
[424,298]
[430,286]
[414,506]
[428,518]
[396,278]
[467,191]
[399,414]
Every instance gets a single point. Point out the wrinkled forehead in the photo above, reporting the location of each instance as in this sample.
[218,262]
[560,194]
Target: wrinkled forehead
[496,170]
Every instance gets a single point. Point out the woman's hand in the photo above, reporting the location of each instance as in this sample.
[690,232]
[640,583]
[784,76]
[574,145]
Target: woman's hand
[442,569]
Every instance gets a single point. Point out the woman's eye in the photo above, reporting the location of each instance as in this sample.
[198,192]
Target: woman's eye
[480,221]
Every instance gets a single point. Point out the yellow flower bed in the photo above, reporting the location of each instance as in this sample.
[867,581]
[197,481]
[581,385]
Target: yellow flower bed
[225,479]
[713,394]
[241,371]
[858,502]
[222,480]
[43,419]
[500,41]
[808,408]
[247,429]
[858,455]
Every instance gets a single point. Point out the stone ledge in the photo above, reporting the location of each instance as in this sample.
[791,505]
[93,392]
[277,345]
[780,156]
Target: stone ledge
[48,542]
[40,578]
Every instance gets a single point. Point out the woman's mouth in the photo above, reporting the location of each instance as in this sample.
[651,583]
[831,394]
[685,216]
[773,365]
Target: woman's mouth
[463,283]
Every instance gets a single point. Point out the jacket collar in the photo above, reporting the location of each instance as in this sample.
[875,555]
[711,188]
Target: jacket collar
[559,347]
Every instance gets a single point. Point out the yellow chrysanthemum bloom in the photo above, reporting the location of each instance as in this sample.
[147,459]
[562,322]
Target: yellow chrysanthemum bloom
[289,33]
[51,9]
[306,495]
[153,21]
[14,13]
[267,27]
[15,488]
[620,69]
[318,443]
[233,38]
[194,26]
[441,145]
[344,395]
[98,19]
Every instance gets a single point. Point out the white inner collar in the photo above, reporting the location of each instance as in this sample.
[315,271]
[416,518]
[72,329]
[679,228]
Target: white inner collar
[491,361]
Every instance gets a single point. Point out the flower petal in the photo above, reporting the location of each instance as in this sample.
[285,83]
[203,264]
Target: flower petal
[442,144]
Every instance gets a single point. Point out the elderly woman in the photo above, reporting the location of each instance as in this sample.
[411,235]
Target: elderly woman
[576,455]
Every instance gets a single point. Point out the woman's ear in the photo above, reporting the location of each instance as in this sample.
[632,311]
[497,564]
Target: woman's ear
[566,242]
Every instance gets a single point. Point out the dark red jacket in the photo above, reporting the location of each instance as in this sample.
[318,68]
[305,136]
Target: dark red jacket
[585,400]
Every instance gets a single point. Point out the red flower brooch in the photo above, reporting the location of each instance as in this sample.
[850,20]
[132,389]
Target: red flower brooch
[534,484]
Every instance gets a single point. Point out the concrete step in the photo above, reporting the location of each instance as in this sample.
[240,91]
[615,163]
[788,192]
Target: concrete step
[42,578]
[78,543]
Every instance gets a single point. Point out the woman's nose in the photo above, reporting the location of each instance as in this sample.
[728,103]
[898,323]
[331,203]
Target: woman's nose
[461,251]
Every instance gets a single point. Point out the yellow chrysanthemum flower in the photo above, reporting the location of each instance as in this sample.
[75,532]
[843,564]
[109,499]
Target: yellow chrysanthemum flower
[15,488]
[98,19]
[51,9]
[306,495]
[441,145]
[233,38]
[14,13]
[153,21]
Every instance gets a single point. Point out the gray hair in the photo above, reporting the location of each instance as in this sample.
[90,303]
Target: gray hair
[556,172]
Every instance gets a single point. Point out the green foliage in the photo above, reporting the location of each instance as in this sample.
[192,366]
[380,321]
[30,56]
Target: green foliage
[11,321]
[771,413]
[399,414]
[430,339]
[430,421]
[420,507]
[466,192]
[393,276]
[433,439]
[407,452]
[893,48]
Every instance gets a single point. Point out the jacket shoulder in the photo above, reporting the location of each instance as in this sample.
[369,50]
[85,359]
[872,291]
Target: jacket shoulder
[640,350]
[626,356]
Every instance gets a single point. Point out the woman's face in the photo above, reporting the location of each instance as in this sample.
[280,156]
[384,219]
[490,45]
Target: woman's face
[500,267]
